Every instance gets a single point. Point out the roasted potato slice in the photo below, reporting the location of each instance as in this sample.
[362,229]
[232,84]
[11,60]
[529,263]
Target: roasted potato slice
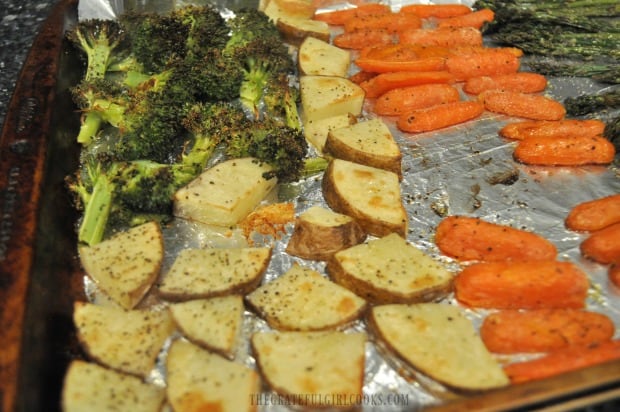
[321,232]
[369,142]
[327,367]
[125,266]
[302,299]
[390,270]
[368,194]
[327,96]
[204,273]
[89,387]
[199,380]
[125,340]
[214,323]
[321,58]
[440,342]
[316,131]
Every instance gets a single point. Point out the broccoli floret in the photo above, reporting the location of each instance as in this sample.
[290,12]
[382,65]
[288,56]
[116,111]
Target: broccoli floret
[215,76]
[156,39]
[281,100]
[268,140]
[256,44]
[102,43]
[206,27]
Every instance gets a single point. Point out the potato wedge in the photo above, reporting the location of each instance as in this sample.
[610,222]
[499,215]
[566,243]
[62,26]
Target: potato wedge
[214,324]
[327,96]
[94,388]
[316,131]
[311,301]
[205,273]
[390,270]
[224,194]
[199,380]
[369,142]
[320,232]
[321,58]
[125,266]
[125,340]
[296,29]
[440,342]
[326,367]
[368,194]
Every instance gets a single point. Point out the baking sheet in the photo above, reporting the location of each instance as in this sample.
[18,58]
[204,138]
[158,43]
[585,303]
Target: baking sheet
[463,170]
[467,169]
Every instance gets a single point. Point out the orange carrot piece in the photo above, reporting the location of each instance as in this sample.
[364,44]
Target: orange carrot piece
[341,16]
[384,82]
[603,245]
[614,274]
[438,116]
[552,128]
[594,214]
[522,285]
[482,62]
[524,82]
[475,19]
[565,151]
[470,238]
[436,10]
[445,36]
[427,64]
[394,22]
[397,101]
[361,77]
[544,330]
[359,39]
[561,361]
[516,104]
[392,52]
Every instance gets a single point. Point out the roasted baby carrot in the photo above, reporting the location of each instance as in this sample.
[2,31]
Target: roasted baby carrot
[393,22]
[522,285]
[594,214]
[438,116]
[361,77]
[470,238]
[564,360]
[524,82]
[544,330]
[357,40]
[445,36]
[565,151]
[436,10]
[528,106]
[552,128]
[426,64]
[384,82]
[341,16]
[603,245]
[397,101]
[482,62]
[475,19]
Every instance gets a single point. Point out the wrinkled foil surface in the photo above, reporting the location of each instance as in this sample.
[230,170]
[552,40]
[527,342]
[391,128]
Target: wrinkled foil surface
[462,170]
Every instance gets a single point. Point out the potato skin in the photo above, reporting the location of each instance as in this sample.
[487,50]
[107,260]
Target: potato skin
[379,296]
[317,242]
[338,202]
[341,150]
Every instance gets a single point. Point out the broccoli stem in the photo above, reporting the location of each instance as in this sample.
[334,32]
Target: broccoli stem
[96,211]
[314,165]
[91,122]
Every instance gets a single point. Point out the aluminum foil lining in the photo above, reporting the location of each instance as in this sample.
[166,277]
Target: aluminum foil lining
[462,170]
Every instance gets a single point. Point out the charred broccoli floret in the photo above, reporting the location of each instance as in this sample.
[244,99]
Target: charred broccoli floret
[103,44]
[256,44]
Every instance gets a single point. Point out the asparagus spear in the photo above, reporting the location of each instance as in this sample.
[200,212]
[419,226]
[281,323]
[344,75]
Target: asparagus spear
[602,72]
[590,103]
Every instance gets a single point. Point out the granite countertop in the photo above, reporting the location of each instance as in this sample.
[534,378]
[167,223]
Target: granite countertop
[19,23]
